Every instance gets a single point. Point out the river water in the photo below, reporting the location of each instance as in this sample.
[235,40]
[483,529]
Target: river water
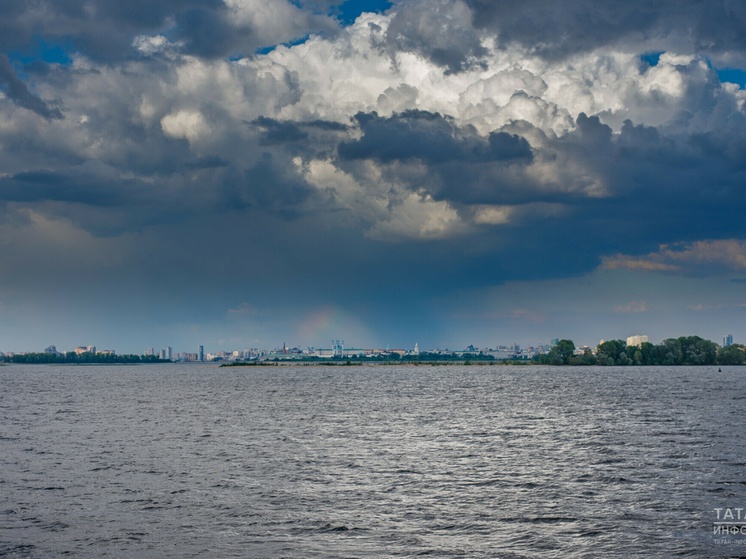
[481,461]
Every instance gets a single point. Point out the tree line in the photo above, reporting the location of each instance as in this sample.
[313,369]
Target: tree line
[686,350]
[72,357]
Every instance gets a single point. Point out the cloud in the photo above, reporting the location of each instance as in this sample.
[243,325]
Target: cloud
[729,305]
[439,31]
[632,306]
[555,29]
[244,308]
[698,258]
[207,162]
[701,307]
[429,137]
[276,132]
[188,124]
[106,30]
[19,93]
[628,263]
[523,315]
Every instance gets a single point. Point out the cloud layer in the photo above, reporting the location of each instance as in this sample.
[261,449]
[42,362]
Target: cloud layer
[499,141]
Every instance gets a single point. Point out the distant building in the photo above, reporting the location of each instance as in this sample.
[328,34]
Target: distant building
[80,349]
[51,349]
[107,352]
[169,352]
[162,354]
[501,353]
[92,349]
[201,353]
[150,351]
[727,340]
[416,349]
[636,341]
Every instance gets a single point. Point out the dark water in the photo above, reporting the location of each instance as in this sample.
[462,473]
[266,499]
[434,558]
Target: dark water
[192,461]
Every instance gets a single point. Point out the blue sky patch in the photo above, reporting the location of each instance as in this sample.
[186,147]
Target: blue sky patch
[652,58]
[732,75]
[267,50]
[49,51]
[350,10]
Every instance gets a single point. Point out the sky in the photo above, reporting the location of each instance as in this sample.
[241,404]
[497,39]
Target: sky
[248,173]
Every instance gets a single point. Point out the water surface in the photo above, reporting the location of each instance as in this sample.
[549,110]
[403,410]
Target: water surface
[480,461]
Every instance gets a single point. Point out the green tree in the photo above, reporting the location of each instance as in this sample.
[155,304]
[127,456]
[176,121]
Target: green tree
[608,353]
[588,358]
[637,358]
[648,355]
[562,352]
[731,355]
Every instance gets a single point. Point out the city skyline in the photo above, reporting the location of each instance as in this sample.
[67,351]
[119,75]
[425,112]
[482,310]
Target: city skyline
[392,172]
[337,346]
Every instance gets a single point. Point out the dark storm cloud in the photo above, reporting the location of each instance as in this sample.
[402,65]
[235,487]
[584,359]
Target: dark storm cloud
[72,187]
[453,38]
[272,185]
[19,93]
[553,28]
[461,165]
[209,33]
[429,137]
[276,132]
[326,125]
[653,186]
[207,162]
[661,189]
[104,29]
[295,135]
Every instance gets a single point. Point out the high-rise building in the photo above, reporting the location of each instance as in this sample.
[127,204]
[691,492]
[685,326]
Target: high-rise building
[92,349]
[201,353]
[169,353]
[150,351]
[162,354]
[636,341]
[727,340]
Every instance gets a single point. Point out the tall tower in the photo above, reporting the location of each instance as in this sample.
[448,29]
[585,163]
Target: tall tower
[727,340]
[201,353]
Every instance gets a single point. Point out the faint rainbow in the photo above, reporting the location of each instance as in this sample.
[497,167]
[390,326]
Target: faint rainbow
[321,326]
